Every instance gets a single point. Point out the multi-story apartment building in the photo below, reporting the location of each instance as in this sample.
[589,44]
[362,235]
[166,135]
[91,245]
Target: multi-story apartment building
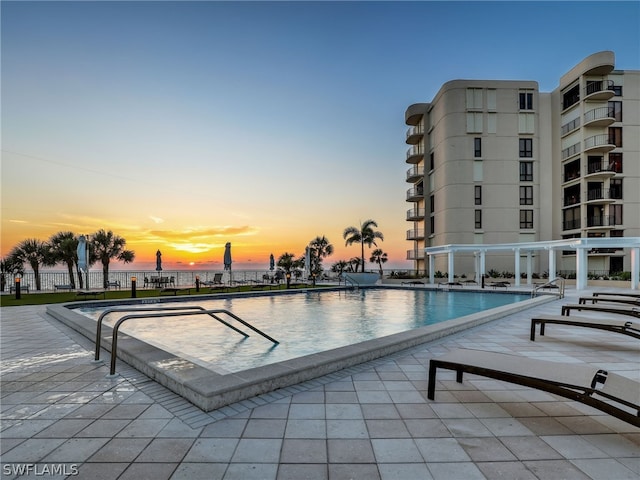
[497,161]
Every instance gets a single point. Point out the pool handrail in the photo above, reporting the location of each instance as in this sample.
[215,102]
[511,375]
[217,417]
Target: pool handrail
[116,327]
[147,309]
[551,283]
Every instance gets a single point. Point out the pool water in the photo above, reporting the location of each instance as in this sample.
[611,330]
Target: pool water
[303,323]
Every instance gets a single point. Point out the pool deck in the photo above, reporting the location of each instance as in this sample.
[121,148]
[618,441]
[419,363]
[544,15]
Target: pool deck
[61,412]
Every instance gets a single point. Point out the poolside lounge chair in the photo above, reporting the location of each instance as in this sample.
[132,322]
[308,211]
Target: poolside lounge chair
[616,294]
[618,326]
[629,301]
[611,393]
[632,311]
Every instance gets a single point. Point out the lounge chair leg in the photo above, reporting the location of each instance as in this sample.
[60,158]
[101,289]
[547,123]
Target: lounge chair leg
[532,337]
[431,386]
[459,373]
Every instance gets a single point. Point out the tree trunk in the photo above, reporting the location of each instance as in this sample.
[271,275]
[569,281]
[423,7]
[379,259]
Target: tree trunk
[105,275]
[72,279]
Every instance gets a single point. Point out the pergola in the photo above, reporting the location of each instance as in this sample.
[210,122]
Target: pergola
[581,245]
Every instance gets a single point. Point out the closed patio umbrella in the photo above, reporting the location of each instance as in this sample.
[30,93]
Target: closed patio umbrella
[227,259]
[158,262]
[83,260]
[272,263]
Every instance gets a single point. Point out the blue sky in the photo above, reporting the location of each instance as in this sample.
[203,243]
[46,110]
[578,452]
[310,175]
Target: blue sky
[184,125]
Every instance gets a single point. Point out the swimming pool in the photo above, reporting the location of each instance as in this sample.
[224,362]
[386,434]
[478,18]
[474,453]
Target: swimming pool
[303,323]
[214,386]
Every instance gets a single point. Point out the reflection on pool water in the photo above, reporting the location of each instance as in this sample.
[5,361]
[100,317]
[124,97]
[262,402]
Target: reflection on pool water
[303,323]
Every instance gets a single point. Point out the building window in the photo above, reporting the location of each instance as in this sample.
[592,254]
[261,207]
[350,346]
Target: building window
[571,97]
[526,195]
[478,219]
[478,194]
[477,147]
[615,190]
[526,123]
[432,204]
[617,90]
[526,147]
[526,171]
[616,214]
[526,219]
[474,99]
[432,224]
[432,161]
[474,122]
[615,161]
[526,100]
[616,110]
[615,136]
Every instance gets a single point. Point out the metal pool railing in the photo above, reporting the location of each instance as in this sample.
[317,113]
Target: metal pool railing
[163,312]
[557,282]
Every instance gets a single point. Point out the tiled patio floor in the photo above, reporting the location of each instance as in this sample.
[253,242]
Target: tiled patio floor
[62,417]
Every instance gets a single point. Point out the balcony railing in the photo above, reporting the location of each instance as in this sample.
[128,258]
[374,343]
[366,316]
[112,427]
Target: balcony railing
[602,221]
[572,175]
[602,140]
[570,151]
[413,133]
[602,113]
[571,200]
[415,214]
[571,126]
[415,254]
[415,173]
[598,86]
[415,154]
[598,194]
[571,224]
[597,167]
[415,193]
[415,234]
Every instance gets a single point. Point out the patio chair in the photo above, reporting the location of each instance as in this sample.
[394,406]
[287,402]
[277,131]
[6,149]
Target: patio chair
[618,326]
[596,299]
[609,392]
[632,311]
[616,294]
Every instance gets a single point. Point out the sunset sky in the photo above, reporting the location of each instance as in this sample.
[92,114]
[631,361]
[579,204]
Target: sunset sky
[185,125]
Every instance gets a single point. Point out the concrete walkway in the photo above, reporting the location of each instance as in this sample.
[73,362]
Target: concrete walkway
[63,418]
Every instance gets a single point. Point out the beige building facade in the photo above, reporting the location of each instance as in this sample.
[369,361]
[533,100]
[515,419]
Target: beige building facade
[497,161]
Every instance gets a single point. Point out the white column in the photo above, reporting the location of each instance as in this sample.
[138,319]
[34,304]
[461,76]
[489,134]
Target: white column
[517,266]
[431,268]
[552,264]
[581,268]
[529,266]
[635,267]
[450,259]
[482,263]
[476,262]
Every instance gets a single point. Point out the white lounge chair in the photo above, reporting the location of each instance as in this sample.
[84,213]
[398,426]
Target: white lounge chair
[606,391]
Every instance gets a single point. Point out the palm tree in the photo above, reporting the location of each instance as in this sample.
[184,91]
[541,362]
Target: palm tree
[320,248]
[104,247]
[289,264]
[365,235]
[34,252]
[9,266]
[64,247]
[379,257]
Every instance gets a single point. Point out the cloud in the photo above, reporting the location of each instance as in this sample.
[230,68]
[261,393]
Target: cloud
[156,219]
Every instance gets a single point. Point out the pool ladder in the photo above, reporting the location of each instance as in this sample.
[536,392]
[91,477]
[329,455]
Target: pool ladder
[551,284]
[163,312]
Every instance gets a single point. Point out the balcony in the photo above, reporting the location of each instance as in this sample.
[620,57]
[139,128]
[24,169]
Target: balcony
[415,173]
[600,117]
[598,91]
[415,234]
[571,151]
[601,169]
[571,200]
[415,134]
[603,221]
[599,143]
[415,255]
[571,224]
[415,194]
[415,214]
[415,154]
[599,195]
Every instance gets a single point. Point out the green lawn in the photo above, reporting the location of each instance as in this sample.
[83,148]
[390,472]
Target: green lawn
[62,297]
